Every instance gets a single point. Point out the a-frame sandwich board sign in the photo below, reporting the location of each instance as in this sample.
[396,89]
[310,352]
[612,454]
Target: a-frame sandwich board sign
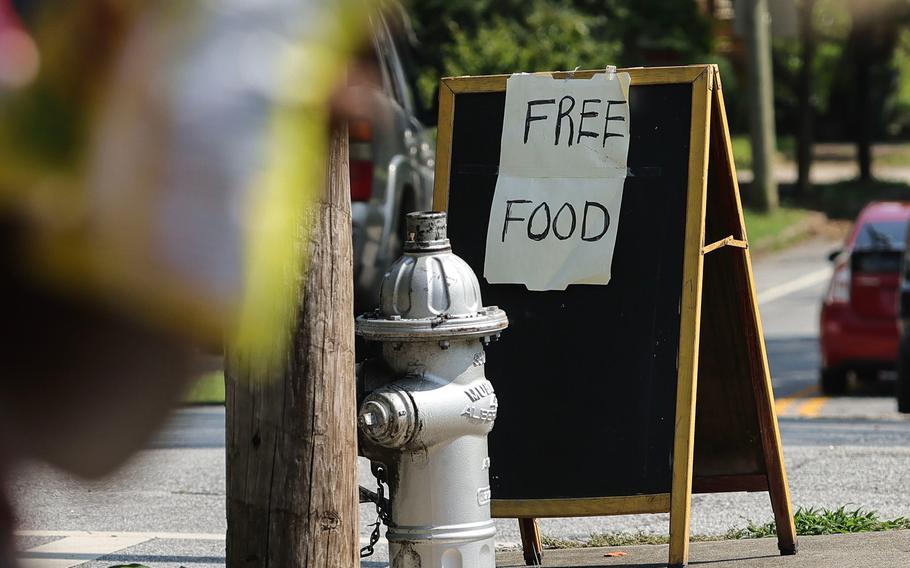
[627,398]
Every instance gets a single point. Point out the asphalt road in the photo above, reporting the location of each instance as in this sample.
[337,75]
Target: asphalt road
[166,508]
[790,287]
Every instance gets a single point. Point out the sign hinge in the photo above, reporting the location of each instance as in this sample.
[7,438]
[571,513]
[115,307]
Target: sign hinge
[726,242]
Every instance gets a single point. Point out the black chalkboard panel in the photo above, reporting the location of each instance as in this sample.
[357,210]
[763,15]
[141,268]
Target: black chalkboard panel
[600,386]
[586,377]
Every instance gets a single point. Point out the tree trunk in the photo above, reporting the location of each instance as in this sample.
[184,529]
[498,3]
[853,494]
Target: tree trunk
[863,59]
[804,133]
[864,125]
[291,437]
[872,43]
[763,193]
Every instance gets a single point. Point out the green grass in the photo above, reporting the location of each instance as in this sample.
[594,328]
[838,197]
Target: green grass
[773,227]
[207,389]
[809,522]
[610,539]
[892,155]
[632,539]
[742,150]
[844,200]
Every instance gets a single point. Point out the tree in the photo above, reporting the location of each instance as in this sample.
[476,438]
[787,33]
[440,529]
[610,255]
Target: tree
[804,132]
[475,37]
[865,75]
[871,42]
[761,108]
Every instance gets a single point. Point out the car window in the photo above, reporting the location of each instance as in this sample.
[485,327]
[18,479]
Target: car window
[386,56]
[404,78]
[877,261]
[404,47]
[374,56]
[881,235]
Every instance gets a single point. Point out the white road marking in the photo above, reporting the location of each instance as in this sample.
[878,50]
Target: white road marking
[143,535]
[787,288]
[75,550]
[107,534]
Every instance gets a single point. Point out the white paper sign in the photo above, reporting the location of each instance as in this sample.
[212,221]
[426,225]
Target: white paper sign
[555,212]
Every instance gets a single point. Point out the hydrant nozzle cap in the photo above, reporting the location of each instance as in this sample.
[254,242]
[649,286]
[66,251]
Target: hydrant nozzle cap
[426,231]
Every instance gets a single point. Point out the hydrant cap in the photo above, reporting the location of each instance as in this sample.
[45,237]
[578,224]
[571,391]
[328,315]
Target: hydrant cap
[426,231]
[429,293]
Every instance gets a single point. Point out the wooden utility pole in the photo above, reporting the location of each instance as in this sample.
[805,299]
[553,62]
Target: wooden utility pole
[763,194]
[804,132]
[291,437]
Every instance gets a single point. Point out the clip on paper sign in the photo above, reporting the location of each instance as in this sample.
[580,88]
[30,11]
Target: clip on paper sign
[565,144]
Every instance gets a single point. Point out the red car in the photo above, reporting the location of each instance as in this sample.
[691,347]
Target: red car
[859,330]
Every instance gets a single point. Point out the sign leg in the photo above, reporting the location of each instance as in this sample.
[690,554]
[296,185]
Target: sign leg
[680,508]
[783,513]
[778,487]
[690,321]
[530,541]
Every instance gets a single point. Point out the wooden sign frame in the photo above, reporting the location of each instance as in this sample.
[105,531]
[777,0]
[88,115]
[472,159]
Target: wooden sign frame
[710,155]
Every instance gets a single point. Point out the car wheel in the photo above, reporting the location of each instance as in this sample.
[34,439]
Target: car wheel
[833,381]
[903,375]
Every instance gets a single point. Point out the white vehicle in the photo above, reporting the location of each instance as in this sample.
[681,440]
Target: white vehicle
[391,160]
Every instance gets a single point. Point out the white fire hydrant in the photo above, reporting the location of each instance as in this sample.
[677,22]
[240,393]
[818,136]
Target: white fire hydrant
[429,407]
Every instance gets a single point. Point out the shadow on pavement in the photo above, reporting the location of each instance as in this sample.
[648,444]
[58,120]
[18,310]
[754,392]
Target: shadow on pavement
[64,556]
[592,558]
[195,427]
[795,363]
[840,199]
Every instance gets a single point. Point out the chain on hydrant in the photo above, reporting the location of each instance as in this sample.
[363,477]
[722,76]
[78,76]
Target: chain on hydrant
[428,406]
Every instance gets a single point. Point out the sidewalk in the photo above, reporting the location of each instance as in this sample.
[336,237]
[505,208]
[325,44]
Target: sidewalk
[889,549]
[56,549]
[825,173]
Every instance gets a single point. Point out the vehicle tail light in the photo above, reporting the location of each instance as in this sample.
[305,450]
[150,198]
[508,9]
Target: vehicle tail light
[360,138]
[839,293]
